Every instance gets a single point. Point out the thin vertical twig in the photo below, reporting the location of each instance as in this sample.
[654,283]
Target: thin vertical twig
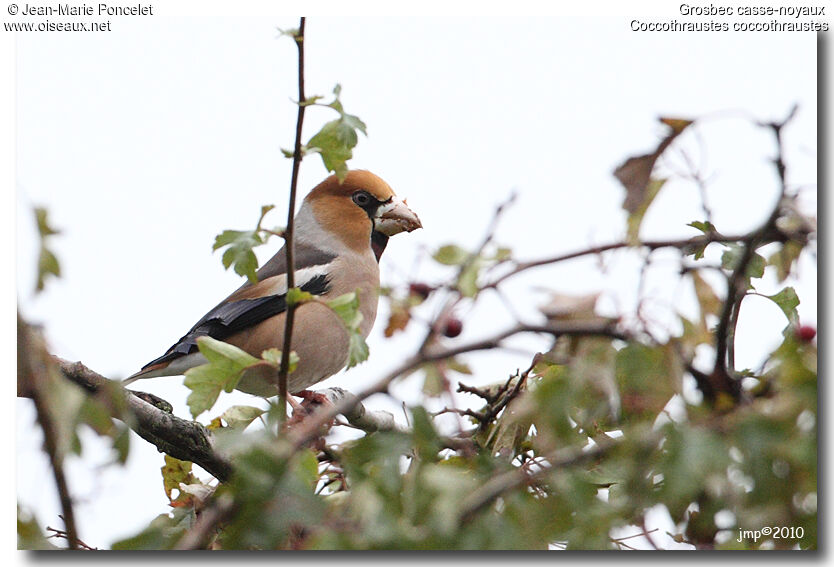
[736,282]
[283,371]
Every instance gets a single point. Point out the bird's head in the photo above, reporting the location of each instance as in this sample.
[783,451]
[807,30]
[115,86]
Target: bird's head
[362,209]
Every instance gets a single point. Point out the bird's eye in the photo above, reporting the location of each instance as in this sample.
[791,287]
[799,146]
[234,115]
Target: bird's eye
[362,198]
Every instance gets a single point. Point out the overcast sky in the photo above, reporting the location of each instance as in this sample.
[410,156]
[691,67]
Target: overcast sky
[146,141]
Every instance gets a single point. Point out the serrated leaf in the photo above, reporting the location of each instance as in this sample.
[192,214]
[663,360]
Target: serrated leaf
[355,122]
[731,259]
[48,265]
[358,350]
[225,366]
[785,258]
[174,472]
[335,142]
[707,228]
[42,220]
[788,301]
[704,226]
[273,356]
[239,254]
[450,255]
[346,306]
[239,417]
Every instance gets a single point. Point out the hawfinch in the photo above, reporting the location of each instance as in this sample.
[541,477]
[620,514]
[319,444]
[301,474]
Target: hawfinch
[341,231]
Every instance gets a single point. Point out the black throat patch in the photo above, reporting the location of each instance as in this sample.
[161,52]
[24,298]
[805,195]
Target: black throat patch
[378,243]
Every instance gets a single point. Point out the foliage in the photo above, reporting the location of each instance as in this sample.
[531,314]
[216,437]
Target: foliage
[613,420]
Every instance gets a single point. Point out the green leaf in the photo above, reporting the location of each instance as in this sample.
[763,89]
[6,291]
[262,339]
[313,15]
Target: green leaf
[295,296]
[346,306]
[704,226]
[731,258]
[48,265]
[162,533]
[44,228]
[174,472]
[434,382]
[693,458]
[358,350]
[457,366]
[307,467]
[788,301]
[273,356]
[647,377]
[336,140]
[468,280]
[239,254]
[502,254]
[225,366]
[239,417]
[785,258]
[451,255]
[707,228]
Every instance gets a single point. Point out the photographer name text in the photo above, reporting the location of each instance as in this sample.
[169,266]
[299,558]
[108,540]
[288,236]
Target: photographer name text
[87,10]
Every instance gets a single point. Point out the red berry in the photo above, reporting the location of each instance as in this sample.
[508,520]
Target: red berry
[806,333]
[420,289]
[453,327]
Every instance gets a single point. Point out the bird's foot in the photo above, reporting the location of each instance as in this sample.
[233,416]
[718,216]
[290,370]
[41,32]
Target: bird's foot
[310,401]
[313,399]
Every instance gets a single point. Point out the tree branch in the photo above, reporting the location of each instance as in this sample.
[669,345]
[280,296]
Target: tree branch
[308,429]
[183,439]
[737,282]
[33,376]
[289,233]
[191,441]
[682,244]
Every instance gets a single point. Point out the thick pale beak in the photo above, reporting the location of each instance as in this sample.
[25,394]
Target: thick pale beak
[395,217]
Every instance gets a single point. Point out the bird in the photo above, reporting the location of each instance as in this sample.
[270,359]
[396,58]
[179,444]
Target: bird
[340,233]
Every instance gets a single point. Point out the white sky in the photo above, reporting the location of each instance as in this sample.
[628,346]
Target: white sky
[147,141]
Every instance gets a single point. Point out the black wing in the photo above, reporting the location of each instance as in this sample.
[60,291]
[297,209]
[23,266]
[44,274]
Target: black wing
[229,318]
